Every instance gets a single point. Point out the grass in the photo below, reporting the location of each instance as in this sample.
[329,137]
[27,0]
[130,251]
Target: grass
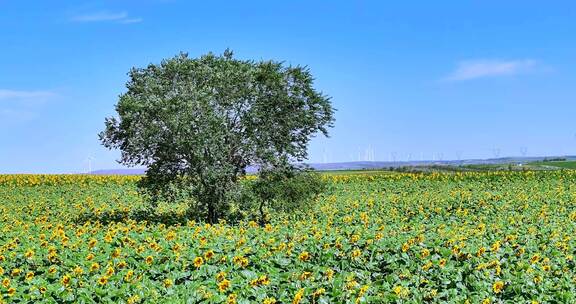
[563,164]
[557,164]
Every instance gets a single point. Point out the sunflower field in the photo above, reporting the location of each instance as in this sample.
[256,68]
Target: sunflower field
[496,237]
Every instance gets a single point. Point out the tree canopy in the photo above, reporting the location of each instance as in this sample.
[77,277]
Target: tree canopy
[198,123]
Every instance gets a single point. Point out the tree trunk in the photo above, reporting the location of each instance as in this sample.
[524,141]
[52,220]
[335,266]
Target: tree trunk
[262,215]
[211,213]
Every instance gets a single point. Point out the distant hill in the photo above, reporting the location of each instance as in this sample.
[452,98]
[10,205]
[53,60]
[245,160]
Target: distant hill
[371,165]
[119,172]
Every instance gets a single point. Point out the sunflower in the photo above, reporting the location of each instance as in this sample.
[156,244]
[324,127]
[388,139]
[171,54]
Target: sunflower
[220,276]
[405,247]
[168,283]
[128,275]
[29,275]
[78,270]
[208,254]
[269,301]
[498,287]
[198,261]
[89,257]
[442,262]
[133,299]
[116,253]
[15,272]
[425,253]
[110,271]
[65,280]
[537,279]
[298,296]
[355,238]
[305,275]
[304,256]
[222,286]
[52,270]
[495,246]
[121,264]
[400,291]
[243,262]
[103,280]
[318,292]
[329,273]
[94,267]
[29,254]
[231,299]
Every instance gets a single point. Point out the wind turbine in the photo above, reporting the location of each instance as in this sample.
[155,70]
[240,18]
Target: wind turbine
[440,156]
[370,153]
[523,151]
[459,157]
[496,152]
[89,159]
[393,156]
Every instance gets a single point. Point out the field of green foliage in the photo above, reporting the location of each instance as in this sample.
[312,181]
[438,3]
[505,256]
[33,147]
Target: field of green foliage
[496,237]
[557,164]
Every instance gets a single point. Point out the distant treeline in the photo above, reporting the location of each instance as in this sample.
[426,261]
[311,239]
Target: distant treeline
[555,159]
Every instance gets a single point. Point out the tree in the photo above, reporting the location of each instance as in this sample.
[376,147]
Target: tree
[197,124]
[285,188]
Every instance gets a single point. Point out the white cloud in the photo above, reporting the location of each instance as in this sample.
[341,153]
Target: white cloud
[25,95]
[121,17]
[21,106]
[100,16]
[132,20]
[473,69]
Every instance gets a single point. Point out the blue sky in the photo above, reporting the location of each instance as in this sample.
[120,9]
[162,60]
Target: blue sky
[410,79]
